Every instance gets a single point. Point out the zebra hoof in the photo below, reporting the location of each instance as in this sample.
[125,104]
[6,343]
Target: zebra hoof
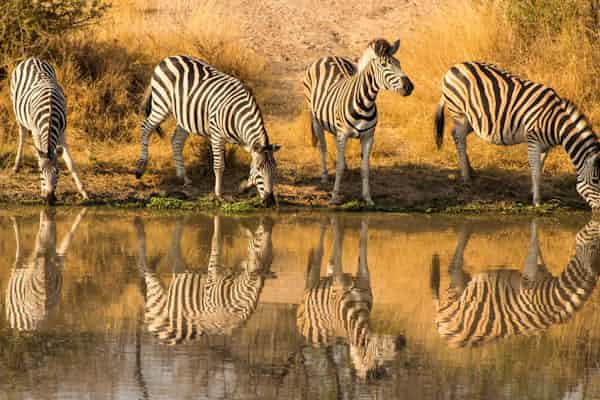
[324,179]
[335,201]
[16,170]
[369,202]
[138,174]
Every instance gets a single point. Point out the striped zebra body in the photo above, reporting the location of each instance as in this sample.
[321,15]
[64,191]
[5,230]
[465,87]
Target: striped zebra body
[504,109]
[40,108]
[34,286]
[207,102]
[341,99]
[214,302]
[501,303]
[337,307]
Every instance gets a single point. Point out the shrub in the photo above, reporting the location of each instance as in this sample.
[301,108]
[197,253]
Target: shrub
[26,25]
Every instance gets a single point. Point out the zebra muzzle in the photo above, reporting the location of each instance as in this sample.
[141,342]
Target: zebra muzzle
[269,200]
[50,199]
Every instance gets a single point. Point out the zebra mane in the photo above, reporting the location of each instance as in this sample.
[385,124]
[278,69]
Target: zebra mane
[375,48]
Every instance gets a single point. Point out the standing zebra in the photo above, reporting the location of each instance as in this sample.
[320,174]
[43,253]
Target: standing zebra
[504,302]
[214,302]
[210,103]
[504,109]
[34,286]
[342,100]
[339,306]
[40,107]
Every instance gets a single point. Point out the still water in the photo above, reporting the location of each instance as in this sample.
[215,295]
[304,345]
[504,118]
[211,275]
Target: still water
[106,305]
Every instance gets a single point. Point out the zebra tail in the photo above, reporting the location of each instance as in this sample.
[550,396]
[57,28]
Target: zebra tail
[439,124]
[147,108]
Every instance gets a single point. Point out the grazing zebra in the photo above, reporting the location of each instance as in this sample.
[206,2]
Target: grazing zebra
[210,103]
[214,302]
[34,286]
[504,109]
[505,302]
[40,107]
[342,98]
[339,306]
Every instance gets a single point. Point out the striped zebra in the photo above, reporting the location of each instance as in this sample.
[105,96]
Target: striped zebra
[208,102]
[40,108]
[341,98]
[505,302]
[213,302]
[34,285]
[504,109]
[338,306]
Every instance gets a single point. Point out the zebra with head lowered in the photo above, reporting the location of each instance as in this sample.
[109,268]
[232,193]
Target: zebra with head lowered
[40,107]
[211,302]
[34,286]
[341,98]
[504,302]
[208,102]
[338,306]
[504,109]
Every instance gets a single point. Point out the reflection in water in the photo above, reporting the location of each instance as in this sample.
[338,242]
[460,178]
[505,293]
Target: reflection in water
[34,285]
[506,302]
[338,306]
[212,301]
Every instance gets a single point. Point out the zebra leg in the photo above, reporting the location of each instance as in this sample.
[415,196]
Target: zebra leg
[366,144]
[458,278]
[534,156]
[459,134]
[179,265]
[71,167]
[66,242]
[334,267]
[339,169]
[178,140]
[22,132]
[315,259]
[215,246]
[535,267]
[18,252]
[363,266]
[318,132]
[218,149]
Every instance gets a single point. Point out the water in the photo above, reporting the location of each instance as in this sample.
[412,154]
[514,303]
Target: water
[106,305]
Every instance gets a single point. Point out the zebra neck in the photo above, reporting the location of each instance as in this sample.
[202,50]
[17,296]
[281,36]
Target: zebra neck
[576,136]
[363,89]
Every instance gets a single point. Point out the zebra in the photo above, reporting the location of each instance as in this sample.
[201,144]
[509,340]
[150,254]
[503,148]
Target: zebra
[208,102]
[341,98]
[504,109]
[213,302]
[339,306]
[40,107]
[505,302]
[34,286]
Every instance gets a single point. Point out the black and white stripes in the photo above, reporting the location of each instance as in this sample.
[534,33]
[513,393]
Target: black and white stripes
[210,103]
[505,110]
[342,98]
[211,302]
[40,107]
[504,302]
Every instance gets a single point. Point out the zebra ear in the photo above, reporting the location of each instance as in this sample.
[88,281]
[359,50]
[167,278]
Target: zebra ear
[394,48]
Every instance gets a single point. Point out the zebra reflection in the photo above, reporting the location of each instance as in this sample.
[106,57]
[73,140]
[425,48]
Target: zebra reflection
[506,302]
[337,308]
[214,301]
[34,285]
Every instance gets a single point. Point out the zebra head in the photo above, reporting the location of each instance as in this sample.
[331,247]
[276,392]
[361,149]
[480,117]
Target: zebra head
[588,181]
[48,164]
[386,68]
[262,172]
[587,244]
[379,350]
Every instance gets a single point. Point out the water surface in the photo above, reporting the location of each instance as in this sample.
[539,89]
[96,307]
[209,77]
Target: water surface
[98,304]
